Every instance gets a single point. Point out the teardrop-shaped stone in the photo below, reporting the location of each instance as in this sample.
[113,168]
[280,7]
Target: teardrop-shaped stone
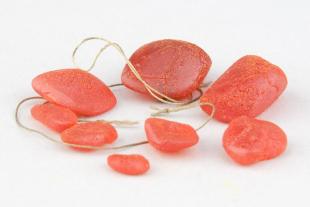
[75,89]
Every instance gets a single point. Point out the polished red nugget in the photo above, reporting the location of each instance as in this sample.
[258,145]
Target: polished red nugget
[173,67]
[248,88]
[129,164]
[248,140]
[95,134]
[55,117]
[169,136]
[75,89]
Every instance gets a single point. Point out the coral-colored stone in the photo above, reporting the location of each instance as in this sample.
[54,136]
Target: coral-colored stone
[248,88]
[55,117]
[173,67]
[75,89]
[129,164]
[94,134]
[169,136]
[248,140]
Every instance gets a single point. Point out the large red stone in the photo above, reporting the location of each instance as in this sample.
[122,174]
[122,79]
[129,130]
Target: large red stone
[75,89]
[94,134]
[129,164]
[248,88]
[248,140]
[169,136]
[173,67]
[55,117]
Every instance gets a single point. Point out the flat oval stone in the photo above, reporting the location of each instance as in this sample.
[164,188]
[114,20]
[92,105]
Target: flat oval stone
[53,116]
[75,89]
[248,140]
[133,164]
[173,67]
[94,134]
[169,136]
[247,88]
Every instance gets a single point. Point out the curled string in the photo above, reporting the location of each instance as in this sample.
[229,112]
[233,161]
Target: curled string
[57,141]
[160,111]
[155,93]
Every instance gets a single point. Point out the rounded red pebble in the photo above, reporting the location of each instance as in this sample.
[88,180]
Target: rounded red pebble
[248,140]
[169,136]
[95,134]
[173,67]
[75,89]
[55,117]
[129,164]
[248,88]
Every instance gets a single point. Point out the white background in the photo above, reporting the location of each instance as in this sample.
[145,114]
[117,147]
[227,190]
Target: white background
[37,36]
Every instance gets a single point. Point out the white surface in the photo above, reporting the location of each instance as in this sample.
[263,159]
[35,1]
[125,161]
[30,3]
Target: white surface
[37,36]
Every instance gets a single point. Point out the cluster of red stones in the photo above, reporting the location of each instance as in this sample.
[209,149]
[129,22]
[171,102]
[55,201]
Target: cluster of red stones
[176,69]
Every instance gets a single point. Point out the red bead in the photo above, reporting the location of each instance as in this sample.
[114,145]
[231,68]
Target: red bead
[173,67]
[129,164]
[248,140]
[169,136]
[248,88]
[75,89]
[55,117]
[94,134]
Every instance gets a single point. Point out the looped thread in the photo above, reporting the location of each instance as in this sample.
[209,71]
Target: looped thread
[161,111]
[20,124]
[155,93]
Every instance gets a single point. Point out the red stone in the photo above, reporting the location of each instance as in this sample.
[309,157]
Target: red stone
[248,140]
[75,89]
[94,134]
[129,164]
[55,117]
[169,136]
[248,88]
[173,67]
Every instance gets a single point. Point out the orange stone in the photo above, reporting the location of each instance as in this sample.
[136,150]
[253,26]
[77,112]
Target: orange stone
[94,134]
[129,164]
[248,88]
[169,136]
[75,89]
[55,117]
[248,140]
[173,67]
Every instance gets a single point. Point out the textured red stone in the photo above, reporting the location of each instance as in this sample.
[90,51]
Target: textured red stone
[55,117]
[129,164]
[94,134]
[248,88]
[169,136]
[248,140]
[75,89]
[173,67]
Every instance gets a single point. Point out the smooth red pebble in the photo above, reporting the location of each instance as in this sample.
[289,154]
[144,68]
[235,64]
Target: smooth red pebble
[248,88]
[169,136]
[94,134]
[55,117]
[129,164]
[75,89]
[248,140]
[173,67]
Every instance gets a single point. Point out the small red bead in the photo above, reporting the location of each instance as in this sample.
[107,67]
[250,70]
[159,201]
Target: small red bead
[94,134]
[129,164]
